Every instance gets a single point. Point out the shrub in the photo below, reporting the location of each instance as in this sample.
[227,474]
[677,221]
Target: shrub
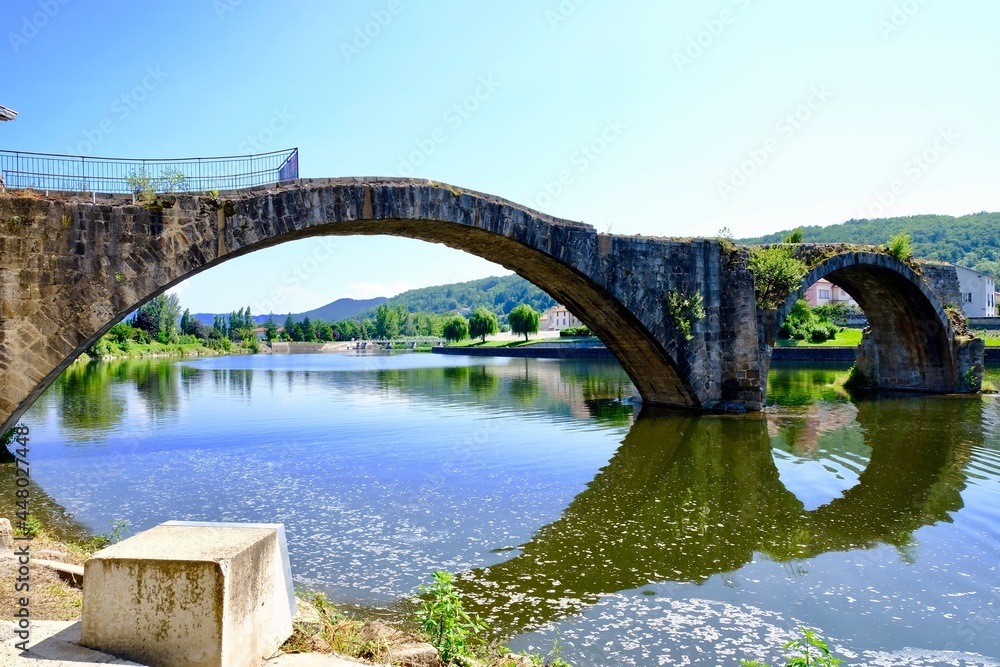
[220,344]
[102,347]
[576,331]
[899,247]
[683,310]
[450,629]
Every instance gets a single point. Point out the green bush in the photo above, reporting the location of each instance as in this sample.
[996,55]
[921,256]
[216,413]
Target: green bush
[683,310]
[102,347]
[899,247]
[220,344]
[805,323]
[450,629]
[576,331]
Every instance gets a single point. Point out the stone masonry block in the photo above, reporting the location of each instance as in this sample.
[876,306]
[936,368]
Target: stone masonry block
[187,594]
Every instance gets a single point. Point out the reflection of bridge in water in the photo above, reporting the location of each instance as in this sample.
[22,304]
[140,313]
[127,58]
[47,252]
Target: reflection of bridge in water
[687,498]
[683,498]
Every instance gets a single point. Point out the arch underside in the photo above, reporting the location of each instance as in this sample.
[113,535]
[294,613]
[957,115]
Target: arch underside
[652,370]
[910,334]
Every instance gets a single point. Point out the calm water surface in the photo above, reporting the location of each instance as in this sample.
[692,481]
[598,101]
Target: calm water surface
[660,539]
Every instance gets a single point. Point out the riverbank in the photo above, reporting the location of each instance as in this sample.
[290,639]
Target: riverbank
[587,349]
[319,627]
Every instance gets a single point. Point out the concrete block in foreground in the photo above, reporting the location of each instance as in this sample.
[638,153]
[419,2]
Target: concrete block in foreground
[187,594]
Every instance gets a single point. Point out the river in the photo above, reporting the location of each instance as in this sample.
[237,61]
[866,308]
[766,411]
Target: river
[656,539]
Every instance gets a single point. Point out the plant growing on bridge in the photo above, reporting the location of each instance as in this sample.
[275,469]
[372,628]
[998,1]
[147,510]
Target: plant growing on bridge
[483,323]
[172,180]
[899,247]
[456,329]
[776,272]
[523,320]
[142,185]
[683,310]
[795,236]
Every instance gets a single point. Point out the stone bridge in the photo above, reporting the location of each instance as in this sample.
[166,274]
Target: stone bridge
[73,265]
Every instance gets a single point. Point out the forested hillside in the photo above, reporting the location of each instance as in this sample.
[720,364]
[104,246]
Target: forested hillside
[970,240]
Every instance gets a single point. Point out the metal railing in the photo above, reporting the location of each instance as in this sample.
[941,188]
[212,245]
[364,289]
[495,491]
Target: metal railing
[73,173]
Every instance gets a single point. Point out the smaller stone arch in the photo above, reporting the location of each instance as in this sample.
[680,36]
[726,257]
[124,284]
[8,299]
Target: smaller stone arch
[911,344]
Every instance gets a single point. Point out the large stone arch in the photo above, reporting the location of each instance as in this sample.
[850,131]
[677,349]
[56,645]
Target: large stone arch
[71,266]
[911,344]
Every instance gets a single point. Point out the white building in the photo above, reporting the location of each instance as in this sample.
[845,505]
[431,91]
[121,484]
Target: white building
[823,292]
[978,293]
[557,318]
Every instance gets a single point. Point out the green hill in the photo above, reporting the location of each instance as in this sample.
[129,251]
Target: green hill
[499,293]
[970,240]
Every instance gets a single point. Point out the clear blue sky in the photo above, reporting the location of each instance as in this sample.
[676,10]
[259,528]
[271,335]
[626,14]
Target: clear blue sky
[831,103]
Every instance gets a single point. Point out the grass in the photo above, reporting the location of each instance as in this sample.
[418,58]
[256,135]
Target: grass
[846,338]
[991,338]
[52,598]
[852,338]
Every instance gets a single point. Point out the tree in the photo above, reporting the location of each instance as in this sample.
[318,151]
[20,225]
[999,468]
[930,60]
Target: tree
[482,323]
[456,329]
[186,321]
[523,320]
[349,330]
[776,272]
[308,330]
[145,322]
[271,329]
[386,322]
[163,311]
[324,331]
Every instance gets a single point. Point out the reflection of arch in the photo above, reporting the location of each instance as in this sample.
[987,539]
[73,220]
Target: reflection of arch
[911,333]
[687,498]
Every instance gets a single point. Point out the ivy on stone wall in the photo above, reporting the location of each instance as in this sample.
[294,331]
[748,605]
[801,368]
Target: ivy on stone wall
[683,310]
